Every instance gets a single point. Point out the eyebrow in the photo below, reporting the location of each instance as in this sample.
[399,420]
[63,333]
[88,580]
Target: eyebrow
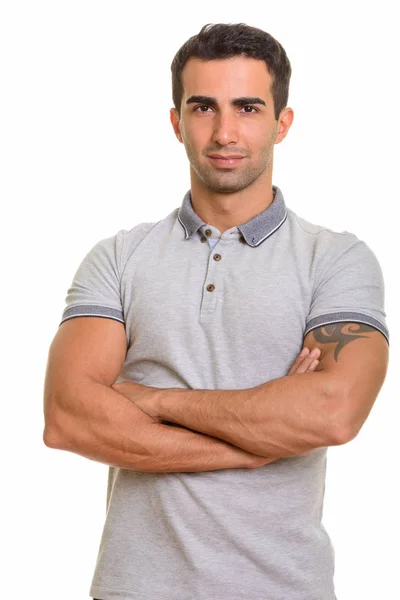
[234,102]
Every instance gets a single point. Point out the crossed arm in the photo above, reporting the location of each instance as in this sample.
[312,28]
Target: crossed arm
[291,415]
[85,415]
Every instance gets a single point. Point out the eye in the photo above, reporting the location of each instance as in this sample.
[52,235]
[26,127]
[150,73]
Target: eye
[253,108]
[201,106]
[250,106]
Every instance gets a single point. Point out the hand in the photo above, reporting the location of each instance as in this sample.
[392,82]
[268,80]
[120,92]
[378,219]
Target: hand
[306,361]
[145,397]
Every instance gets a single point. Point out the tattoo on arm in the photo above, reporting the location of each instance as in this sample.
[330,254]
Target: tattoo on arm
[341,334]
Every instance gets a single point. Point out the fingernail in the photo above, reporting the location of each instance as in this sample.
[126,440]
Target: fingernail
[304,352]
[315,352]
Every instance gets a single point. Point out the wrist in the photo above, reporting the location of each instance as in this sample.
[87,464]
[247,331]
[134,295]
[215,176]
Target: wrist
[161,404]
[168,403]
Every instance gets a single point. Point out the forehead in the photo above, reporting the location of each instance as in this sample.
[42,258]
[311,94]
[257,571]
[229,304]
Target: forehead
[236,76]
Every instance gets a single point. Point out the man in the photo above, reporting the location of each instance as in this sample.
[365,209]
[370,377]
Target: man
[217,429]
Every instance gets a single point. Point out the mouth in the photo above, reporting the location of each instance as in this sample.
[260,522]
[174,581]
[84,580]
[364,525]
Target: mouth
[222,161]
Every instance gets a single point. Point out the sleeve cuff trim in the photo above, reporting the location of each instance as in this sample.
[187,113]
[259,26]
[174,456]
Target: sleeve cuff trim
[91,310]
[350,317]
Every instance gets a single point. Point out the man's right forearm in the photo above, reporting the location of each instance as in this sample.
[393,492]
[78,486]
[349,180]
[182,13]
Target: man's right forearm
[98,423]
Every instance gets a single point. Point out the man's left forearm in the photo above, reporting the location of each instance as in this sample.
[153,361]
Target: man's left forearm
[288,416]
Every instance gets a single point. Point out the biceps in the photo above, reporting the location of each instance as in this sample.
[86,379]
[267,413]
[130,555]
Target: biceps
[355,356]
[86,347]
[86,354]
[331,339]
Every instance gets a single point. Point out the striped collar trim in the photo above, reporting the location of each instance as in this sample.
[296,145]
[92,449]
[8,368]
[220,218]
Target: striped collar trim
[255,231]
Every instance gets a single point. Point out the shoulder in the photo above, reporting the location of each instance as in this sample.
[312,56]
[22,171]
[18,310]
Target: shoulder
[133,237]
[320,233]
[330,252]
[326,242]
[120,247]
[117,248]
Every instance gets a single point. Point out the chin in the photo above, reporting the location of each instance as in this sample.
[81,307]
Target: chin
[226,189]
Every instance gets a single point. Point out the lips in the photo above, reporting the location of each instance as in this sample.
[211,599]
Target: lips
[225,162]
[227,157]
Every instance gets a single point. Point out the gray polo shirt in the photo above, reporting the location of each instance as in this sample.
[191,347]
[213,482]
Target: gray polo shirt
[209,311]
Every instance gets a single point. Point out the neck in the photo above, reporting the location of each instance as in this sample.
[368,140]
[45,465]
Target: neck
[228,210]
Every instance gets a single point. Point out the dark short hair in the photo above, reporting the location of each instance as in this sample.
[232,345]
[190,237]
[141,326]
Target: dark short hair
[222,40]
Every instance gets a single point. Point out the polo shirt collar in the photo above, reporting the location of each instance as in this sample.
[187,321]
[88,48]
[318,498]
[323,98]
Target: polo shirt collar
[254,232]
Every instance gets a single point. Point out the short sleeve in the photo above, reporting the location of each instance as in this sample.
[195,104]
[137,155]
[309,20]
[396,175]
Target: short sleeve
[349,288]
[95,288]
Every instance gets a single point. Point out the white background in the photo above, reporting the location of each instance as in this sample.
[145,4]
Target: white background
[87,149]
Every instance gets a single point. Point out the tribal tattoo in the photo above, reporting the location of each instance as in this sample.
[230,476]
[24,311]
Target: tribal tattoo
[341,333]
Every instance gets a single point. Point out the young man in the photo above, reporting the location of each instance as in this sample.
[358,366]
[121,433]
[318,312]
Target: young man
[217,430]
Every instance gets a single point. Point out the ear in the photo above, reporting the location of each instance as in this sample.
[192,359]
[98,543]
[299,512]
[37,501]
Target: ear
[284,123]
[174,118]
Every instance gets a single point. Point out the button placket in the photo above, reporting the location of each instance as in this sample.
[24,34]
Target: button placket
[210,299]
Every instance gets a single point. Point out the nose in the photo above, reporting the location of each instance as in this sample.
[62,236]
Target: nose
[225,129]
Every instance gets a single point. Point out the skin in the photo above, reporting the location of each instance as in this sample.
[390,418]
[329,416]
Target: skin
[147,398]
[341,334]
[226,197]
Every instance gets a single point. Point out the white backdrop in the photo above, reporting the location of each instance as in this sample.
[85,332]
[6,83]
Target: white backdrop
[85,99]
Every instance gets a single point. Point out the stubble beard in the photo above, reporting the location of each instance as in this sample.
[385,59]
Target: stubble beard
[233,180]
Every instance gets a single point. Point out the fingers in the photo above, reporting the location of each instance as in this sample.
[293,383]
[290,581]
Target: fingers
[310,362]
[303,354]
[312,366]
[306,361]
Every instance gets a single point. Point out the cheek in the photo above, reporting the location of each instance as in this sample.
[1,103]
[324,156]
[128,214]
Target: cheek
[187,133]
[266,143]
[257,138]
[196,141]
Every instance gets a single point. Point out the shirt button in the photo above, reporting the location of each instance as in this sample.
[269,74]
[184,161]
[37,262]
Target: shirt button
[210,287]
[208,232]
[217,257]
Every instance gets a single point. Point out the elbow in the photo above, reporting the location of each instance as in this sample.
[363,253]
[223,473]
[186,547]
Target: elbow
[51,438]
[55,437]
[52,432]
[343,435]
